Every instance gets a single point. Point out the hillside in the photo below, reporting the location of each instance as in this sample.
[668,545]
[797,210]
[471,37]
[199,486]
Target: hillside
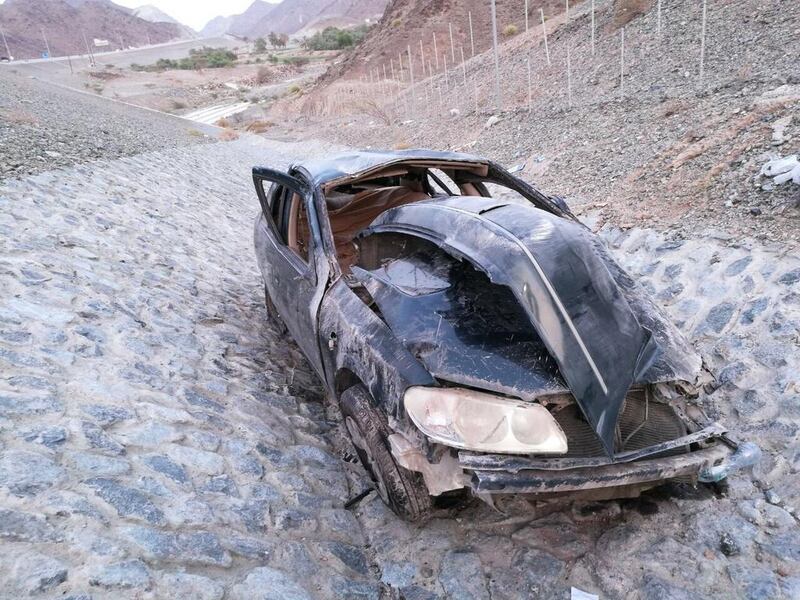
[663,149]
[405,22]
[65,23]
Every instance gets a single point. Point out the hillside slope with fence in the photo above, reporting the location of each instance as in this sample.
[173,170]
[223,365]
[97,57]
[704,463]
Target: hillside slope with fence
[662,111]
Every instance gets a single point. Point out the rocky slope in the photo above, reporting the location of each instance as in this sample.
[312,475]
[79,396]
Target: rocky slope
[64,24]
[665,148]
[43,127]
[405,22]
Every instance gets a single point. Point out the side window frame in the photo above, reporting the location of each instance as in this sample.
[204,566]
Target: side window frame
[276,204]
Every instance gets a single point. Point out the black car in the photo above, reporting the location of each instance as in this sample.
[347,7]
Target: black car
[478,340]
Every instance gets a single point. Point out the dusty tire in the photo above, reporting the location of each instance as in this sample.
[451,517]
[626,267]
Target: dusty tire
[272,314]
[402,490]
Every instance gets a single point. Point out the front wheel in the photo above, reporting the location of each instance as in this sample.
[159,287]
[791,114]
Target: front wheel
[401,490]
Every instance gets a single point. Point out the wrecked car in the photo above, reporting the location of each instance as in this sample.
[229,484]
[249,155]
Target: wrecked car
[476,335]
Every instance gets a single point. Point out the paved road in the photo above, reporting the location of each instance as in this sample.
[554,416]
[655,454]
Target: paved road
[158,439]
[211,114]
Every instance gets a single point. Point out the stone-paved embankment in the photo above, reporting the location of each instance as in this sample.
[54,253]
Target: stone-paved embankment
[43,127]
[159,440]
[151,442]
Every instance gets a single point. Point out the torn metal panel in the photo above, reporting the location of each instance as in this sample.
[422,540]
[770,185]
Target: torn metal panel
[354,338]
[461,326]
[357,164]
[560,282]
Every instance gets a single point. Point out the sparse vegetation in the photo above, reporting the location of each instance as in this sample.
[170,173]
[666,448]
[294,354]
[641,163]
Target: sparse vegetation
[260,45]
[258,126]
[178,104]
[278,40]
[263,75]
[228,135]
[510,30]
[294,89]
[296,61]
[202,58]
[333,38]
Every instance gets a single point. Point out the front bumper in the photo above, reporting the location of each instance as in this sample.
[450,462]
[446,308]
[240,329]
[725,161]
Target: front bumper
[521,475]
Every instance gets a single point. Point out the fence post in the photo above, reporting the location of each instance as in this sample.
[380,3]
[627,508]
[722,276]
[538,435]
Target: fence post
[411,78]
[497,98]
[526,16]
[544,33]
[659,3]
[435,51]
[471,37]
[566,19]
[446,75]
[569,79]
[703,43]
[530,97]
[452,46]
[658,19]
[422,56]
[622,63]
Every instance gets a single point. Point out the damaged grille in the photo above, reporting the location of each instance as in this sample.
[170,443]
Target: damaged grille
[662,424]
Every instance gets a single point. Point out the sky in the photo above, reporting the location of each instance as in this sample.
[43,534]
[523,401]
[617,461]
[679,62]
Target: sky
[194,13]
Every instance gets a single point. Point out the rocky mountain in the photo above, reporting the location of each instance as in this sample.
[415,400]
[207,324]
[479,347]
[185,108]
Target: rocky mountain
[151,13]
[240,24]
[65,23]
[291,16]
[217,26]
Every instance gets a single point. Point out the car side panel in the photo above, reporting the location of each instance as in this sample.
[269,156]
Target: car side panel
[365,345]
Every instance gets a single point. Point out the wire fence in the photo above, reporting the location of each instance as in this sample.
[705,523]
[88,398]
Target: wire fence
[567,60]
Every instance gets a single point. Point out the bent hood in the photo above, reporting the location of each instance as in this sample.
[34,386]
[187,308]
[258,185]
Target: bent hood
[584,310]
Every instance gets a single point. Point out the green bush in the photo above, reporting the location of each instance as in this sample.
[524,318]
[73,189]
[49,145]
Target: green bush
[333,38]
[202,58]
[296,61]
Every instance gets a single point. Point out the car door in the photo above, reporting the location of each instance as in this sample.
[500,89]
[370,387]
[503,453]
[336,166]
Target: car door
[295,274]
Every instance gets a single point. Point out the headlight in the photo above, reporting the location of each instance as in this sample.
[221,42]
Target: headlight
[476,421]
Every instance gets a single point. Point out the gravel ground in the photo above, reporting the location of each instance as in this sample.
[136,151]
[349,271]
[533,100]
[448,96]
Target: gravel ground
[43,127]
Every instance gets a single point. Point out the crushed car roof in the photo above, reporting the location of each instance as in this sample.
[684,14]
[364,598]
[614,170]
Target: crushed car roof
[327,169]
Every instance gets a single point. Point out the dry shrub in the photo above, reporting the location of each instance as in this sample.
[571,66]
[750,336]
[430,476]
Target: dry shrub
[224,123]
[228,135]
[626,11]
[510,30]
[350,97]
[402,146]
[263,75]
[259,126]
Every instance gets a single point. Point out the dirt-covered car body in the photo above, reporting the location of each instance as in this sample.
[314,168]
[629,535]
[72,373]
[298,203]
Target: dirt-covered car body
[399,271]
